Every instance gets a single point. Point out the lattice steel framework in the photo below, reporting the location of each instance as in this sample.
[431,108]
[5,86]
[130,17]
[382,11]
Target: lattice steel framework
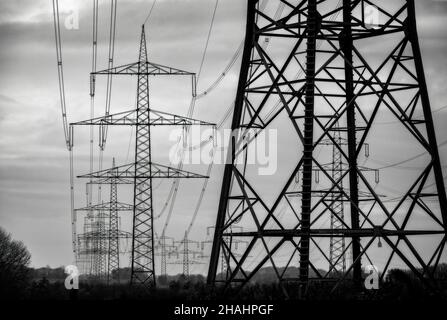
[99,244]
[337,245]
[91,244]
[100,259]
[142,170]
[329,64]
[188,254]
[166,244]
[143,263]
[114,251]
[88,252]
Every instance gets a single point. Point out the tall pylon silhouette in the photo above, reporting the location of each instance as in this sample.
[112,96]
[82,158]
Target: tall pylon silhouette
[331,69]
[143,170]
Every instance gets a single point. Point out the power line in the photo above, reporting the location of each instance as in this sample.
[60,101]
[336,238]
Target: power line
[207,40]
[111,54]
[150,11]
[60,71]
[67,132]
[202,61]
[175,184]
[226,115]
[392,122]
[409,159]
[89,188]
[174,187]
[222,75]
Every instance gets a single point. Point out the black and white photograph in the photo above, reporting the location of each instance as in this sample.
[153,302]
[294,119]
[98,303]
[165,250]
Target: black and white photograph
[223,158]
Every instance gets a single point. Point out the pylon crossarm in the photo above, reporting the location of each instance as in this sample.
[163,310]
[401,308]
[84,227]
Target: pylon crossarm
[341,196]
[106,206]
[124,234]
[156,118]
[152,69]
[161,171]
[164,118]
[128,171]
[316,233]
[94,234]
[108,180]
[190,262]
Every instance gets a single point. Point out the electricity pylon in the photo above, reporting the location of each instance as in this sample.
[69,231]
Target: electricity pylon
[188,254]
[347,83]
[105,257]
[230,242]
[101,232]
[91,244]
[165,248]
[337,246]
[142,170]
[114,251]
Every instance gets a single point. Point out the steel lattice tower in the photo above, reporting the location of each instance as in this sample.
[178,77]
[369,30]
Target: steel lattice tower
[337,245]
[99,245]
[343,84]
[113,252]
[187,254]
[165,248]
[143,264]
[142,171]
[101,257]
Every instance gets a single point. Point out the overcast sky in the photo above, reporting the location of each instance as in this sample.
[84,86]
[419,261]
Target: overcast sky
[34,185]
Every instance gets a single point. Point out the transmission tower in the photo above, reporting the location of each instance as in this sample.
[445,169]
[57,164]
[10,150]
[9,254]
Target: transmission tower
[337,245]
[113,235]
[113,252]
[100,259]
[336,166]
[344,85]
[92,243]
[143,170]
[188,254]
[229,242]
[91,252]
[166,245]
[101,232]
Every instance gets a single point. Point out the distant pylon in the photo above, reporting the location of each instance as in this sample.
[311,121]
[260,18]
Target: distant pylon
[100,240]
[165,249]
[337,255]
[188,254]
[113,234]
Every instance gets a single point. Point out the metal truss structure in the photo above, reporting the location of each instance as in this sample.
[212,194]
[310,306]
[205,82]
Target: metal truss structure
[166,245]
[323,78]
[88,251]
[92,246]
[94,250]
[102,230]
[142,170]
[188,254]
[125,172]
[337,247]
[113,250]
[230,242]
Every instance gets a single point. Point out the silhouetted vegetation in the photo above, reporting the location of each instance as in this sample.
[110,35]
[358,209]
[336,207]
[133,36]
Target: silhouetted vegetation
[398,285]
[14,262]
[18,281]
